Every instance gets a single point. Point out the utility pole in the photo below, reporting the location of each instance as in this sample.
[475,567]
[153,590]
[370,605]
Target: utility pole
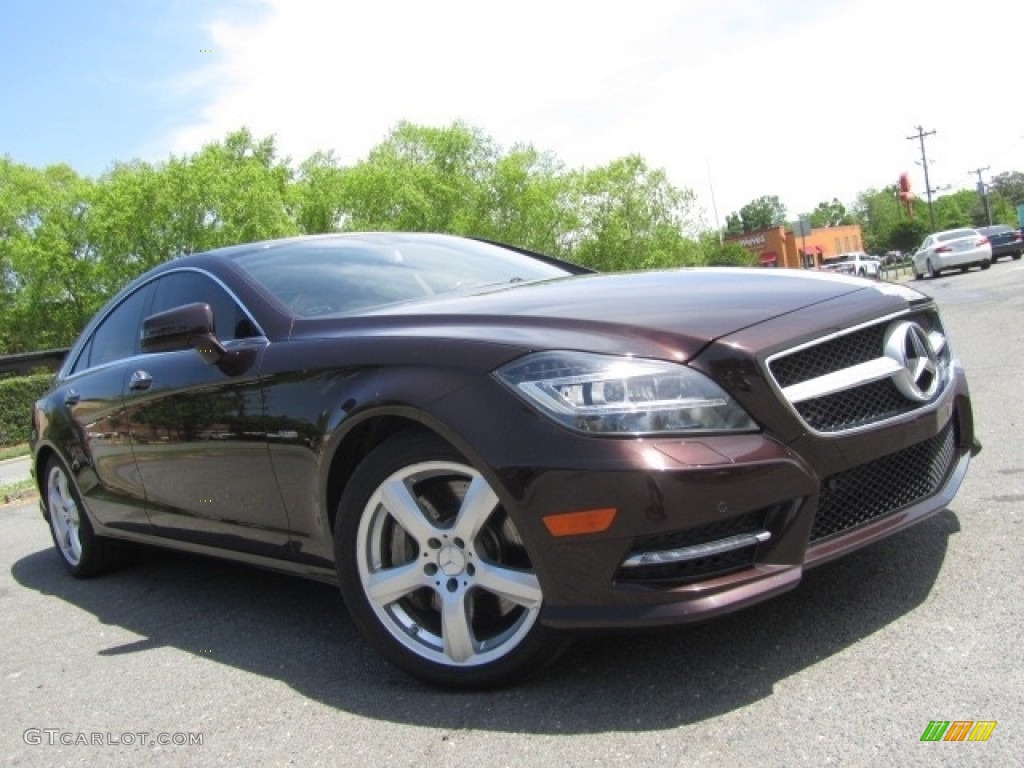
[924,162]
[983,191]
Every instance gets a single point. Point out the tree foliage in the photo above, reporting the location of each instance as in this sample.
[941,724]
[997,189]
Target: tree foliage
[67,243]
[829,214]
[1009,187]
[631,217]
[762,213]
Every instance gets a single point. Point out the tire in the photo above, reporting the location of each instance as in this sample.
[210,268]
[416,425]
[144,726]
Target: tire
[932,272]
[434,572]
[1016,256]
[985,264]
[83,553]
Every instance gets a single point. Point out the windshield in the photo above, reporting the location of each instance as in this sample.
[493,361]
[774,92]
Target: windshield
[351,273]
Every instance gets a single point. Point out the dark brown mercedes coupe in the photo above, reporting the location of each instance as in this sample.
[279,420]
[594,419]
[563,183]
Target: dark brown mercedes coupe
[486,447]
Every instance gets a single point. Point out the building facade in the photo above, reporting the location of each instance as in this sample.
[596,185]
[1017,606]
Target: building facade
[780,247]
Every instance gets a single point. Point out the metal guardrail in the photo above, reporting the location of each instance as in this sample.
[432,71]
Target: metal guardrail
[27,362]
[898,271]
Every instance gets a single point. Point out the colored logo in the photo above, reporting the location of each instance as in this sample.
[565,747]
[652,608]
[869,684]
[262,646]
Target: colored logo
[958,730]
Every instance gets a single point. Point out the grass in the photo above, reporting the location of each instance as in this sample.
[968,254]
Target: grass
[13,451]
[21,489]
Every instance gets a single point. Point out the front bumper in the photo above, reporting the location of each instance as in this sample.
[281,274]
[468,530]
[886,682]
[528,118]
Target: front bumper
[686,493]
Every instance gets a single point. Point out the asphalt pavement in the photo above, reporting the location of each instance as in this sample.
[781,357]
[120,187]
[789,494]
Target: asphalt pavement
[264,669]
[13,470]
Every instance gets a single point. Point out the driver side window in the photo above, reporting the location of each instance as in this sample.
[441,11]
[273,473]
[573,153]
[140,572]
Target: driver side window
[187,287]
[117,337]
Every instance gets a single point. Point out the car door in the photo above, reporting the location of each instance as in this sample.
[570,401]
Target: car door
[89,424]
[198,431]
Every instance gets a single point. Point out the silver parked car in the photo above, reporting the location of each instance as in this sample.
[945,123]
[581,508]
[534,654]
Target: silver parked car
[951,249]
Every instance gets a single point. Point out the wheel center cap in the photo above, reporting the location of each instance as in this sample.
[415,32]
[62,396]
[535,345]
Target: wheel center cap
[451,560]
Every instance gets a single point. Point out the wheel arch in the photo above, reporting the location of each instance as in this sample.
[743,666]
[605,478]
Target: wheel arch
[39,461]
[373,429]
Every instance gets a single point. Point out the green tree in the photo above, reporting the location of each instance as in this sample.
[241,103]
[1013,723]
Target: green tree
[762,213]
[50,267]
[962,208]
[830,214]
[420,180]
[235,191]
[528,199]
[1010,187]
[318,195]
[725,254]
[631,217]
[131,225]
[878,211]
[908,234]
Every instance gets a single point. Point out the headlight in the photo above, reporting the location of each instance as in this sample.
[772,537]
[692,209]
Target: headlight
[622,395]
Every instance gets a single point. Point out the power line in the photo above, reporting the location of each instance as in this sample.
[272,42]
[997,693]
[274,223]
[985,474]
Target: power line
[924,162]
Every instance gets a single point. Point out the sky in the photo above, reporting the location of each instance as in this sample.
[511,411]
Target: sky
[734,99]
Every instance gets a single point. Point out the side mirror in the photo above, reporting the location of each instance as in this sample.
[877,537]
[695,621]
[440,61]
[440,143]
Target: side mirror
[186,327]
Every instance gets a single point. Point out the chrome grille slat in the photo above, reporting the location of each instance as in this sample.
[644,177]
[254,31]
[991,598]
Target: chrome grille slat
[853,379]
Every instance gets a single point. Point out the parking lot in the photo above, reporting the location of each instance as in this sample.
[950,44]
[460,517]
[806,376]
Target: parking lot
[266,669]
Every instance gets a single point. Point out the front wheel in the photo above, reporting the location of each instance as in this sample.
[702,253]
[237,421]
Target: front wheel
[434,571]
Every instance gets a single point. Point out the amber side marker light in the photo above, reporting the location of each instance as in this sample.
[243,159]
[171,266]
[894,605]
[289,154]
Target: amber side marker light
[584,521]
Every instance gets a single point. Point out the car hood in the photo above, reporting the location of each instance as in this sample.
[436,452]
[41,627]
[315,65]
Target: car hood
[670,314]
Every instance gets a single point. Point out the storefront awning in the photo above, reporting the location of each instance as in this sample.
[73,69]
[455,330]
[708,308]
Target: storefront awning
[769,257]
[810,250]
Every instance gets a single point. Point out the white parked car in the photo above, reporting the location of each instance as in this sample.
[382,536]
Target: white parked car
[855,263]
[952,249]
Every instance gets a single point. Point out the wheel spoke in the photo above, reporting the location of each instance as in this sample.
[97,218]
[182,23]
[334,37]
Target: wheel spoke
[520,587]
[75,543]
[401,505]
[392,584]
[458,635]
[478,505]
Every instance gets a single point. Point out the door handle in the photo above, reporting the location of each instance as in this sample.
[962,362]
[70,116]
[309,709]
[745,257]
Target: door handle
[71,397]
[140,381]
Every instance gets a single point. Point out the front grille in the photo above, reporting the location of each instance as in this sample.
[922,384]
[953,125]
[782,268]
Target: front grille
[833,355]
[855,407]
[870,491]
[863,402]
[682,572]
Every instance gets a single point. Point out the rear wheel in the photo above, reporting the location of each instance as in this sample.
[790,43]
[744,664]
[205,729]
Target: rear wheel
[434,571]
[83,552]
[1016,256]
[986,264]
[932,271]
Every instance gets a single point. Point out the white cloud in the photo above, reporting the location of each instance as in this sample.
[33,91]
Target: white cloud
[804,101]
